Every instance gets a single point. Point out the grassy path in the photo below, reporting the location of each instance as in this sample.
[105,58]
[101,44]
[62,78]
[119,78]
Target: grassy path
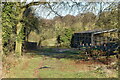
[46,67]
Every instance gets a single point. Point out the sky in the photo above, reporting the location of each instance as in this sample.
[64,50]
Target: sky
[44,12]
[76,0]
[41,11]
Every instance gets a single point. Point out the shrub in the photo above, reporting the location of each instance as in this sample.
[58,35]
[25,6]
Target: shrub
[65,39]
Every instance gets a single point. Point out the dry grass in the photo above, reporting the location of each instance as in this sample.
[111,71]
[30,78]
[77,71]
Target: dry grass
[12,61]
[28,66]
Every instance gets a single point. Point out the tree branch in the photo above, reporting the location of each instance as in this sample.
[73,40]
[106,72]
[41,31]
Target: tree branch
[53,10]
[33,4]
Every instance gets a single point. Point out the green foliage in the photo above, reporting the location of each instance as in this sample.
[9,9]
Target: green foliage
[108,19]
[10,12]
[54,28]
[8,23]
[65,38]
[63,28]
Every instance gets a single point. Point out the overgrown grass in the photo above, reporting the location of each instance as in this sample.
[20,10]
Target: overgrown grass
[33,66]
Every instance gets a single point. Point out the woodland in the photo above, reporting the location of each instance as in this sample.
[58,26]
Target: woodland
[20,24]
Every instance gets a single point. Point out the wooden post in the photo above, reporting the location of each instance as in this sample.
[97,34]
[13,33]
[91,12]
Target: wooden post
[92,39]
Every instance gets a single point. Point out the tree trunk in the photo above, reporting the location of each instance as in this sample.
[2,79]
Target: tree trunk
[18,47]
[19,27]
